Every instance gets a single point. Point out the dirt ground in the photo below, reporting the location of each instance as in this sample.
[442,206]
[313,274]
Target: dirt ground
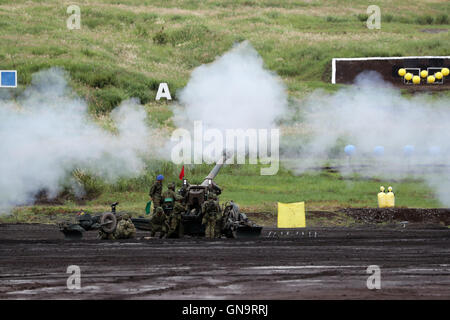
[391,215]
[319,263]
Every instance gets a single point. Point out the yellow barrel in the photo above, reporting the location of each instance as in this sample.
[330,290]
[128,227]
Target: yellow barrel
[390,198]
[401,72]
[408,76]
[381,198]
[416,80]
[424,73]
[430,79]
[438,75]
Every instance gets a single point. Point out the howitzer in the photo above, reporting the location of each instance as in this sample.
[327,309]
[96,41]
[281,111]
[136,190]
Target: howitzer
[235,224]
[195,196]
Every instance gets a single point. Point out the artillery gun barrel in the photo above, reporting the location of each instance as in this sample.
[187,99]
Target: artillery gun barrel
[213,173]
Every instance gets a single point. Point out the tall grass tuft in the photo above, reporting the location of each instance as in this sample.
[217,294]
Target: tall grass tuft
[92,186]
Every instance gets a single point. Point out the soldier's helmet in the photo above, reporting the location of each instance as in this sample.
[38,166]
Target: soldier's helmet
[125,216]
[159,210]
[171,186]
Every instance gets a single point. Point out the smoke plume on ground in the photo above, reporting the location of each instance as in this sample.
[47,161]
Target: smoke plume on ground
[46,132]
[393,135]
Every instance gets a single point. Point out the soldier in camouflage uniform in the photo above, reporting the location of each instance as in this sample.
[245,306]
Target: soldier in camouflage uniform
[211,214]
[125,228]
[105,236]
[159,223]
[170,193]
[174,219]
[155,192]
[219,220]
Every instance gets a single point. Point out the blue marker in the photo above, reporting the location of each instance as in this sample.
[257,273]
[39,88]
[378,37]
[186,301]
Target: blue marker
[349,149]
[408,150]
[434,150]
[8,78]
[378,150]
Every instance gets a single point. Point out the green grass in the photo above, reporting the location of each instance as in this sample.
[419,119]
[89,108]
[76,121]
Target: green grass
[254,193]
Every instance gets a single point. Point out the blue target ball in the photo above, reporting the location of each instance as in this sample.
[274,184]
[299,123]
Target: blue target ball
[378,150]
[349,149]
[434,150]
[408,150]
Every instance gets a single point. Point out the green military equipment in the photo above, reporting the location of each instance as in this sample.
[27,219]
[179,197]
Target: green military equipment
[236,224]
[180,213]
[106,223]
[148,208]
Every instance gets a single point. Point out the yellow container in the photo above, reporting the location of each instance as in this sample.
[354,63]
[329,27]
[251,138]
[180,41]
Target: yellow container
[381,198]
[424,73]
[390,198]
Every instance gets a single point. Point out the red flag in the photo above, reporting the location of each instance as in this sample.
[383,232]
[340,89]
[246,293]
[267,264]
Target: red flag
[182,173]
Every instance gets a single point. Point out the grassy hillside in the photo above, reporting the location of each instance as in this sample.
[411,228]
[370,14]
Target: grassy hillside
[126,48]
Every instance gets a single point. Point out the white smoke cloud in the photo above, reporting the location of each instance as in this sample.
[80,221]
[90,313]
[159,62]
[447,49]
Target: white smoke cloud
[233,92]
[46,132]
[368,114]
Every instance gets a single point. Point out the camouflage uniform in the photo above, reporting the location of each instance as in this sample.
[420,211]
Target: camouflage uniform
[155,194]
[159,223]
[105,236]
[174,218]
[170,194]
[183,189]
[211,216]
[125,228]
[219,224]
